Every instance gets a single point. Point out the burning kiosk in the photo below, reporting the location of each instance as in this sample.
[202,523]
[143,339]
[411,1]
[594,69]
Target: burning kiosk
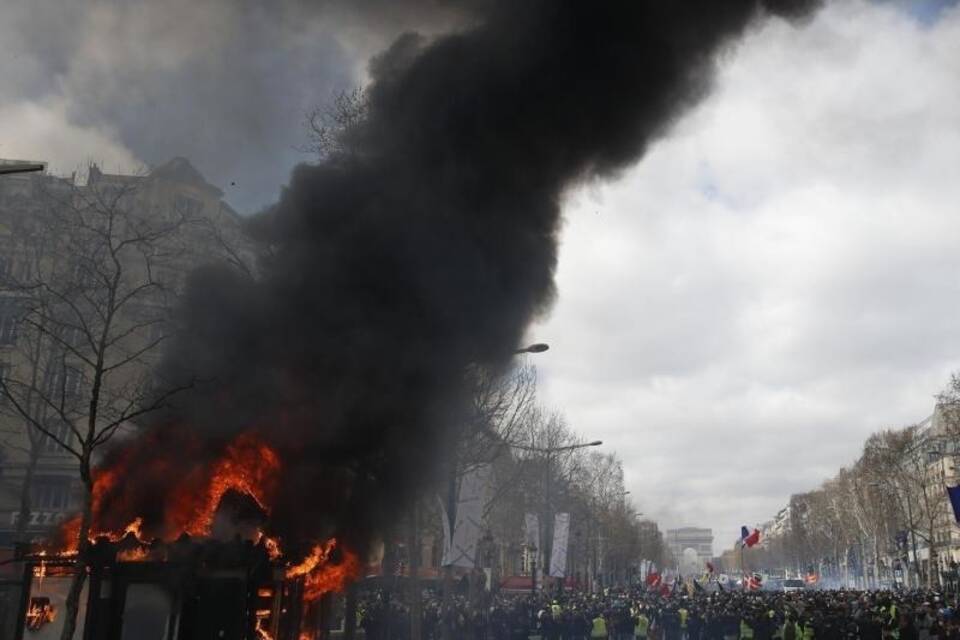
[185,590]
[198,564]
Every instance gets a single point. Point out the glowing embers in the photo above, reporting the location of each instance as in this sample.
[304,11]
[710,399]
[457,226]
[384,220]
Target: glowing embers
[40,613]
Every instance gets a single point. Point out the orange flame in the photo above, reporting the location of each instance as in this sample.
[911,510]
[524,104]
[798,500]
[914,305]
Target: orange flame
[262,634]
[247,466]
[40,613]
[137,554]
[320,575]
[271,544]
[318,555]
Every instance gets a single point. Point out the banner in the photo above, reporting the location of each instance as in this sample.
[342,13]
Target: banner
[460,546]
[531,531]
[954,494]
[558,554]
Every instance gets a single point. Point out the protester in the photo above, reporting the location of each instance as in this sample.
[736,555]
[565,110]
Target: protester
[641,614]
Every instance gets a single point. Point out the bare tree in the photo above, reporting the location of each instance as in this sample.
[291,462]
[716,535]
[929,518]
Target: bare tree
[336,127]
[98,314]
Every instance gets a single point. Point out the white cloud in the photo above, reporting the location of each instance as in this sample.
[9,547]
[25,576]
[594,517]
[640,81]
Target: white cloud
[41,131]
[776,279]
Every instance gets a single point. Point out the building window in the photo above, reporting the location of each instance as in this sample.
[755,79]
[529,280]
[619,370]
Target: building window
[83,277]
[63,434]
[6,268]
[71,336]
[6,370]
[50,493]
[60,381]
[9,318]
[187,206]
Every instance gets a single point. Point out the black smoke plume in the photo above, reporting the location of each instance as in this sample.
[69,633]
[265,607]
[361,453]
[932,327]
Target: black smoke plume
[430,245]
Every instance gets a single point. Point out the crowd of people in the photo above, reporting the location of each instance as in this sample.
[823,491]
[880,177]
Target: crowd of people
[638,614]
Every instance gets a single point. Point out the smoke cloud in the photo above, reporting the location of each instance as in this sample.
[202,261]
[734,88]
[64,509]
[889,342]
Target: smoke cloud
[430,246]
[226,83]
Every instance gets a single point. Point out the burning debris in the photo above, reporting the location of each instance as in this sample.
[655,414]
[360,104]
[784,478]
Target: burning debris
[40,613]
[193,501]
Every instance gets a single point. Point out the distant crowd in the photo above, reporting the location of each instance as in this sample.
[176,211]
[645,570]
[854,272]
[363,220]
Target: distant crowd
[636,614]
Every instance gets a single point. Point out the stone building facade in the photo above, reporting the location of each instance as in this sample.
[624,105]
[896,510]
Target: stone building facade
[212,233]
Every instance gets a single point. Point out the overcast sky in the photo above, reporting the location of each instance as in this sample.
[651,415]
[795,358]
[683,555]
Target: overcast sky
[778,278]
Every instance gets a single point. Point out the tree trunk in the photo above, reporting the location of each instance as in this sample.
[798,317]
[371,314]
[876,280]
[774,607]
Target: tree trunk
[876,562]
[83,546]
[23,521]
[933,572]
[446,610]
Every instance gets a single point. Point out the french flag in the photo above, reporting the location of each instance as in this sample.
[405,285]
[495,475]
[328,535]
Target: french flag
[748,538]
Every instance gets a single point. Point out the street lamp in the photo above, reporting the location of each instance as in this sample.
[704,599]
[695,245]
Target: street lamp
[538,347]
[548,525]
[446,605]
[21,167]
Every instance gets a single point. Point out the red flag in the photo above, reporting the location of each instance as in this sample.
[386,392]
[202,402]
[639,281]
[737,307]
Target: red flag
[710,567]
[654,579]
[753,538]
[665,590]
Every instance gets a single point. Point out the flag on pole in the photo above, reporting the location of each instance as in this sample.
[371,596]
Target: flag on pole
[654,579]
[748,538]
[710,567]
[460,545]
[558,556]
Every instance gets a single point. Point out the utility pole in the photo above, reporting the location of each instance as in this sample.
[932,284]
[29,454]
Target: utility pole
[413,558]
[546,545]
[546,530]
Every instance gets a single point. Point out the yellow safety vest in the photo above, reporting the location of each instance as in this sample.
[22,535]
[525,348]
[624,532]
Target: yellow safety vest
[746,631]
[556,610]
[808,632]
[683,617]
[599,628]
[797,631]
[642,626]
